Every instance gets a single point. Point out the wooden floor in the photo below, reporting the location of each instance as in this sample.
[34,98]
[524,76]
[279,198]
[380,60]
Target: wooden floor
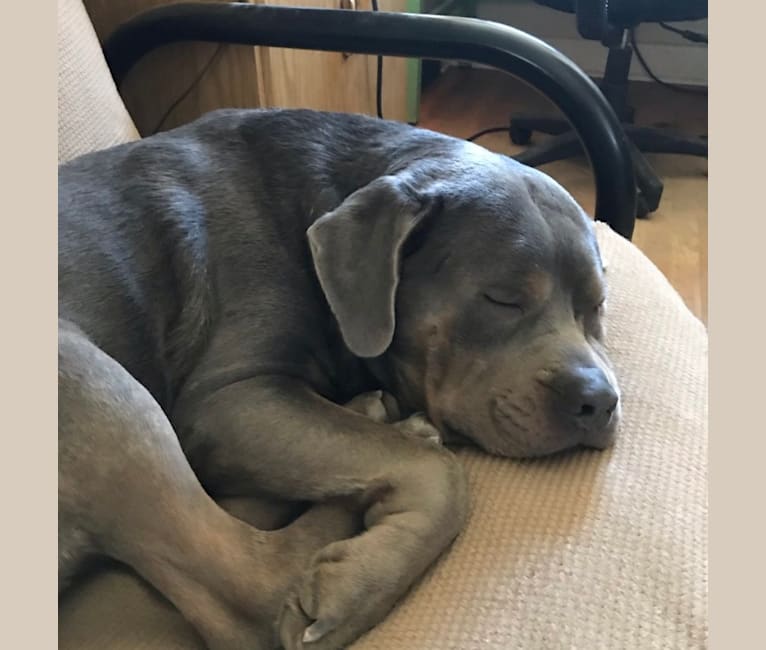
[464,101]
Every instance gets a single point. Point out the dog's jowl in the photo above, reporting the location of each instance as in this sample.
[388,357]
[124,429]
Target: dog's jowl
[226,288]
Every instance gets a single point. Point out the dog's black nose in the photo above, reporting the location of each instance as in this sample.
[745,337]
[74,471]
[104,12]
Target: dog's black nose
[586,397]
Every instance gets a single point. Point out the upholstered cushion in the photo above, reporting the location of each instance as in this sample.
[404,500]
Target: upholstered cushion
[91,114]
[591,550]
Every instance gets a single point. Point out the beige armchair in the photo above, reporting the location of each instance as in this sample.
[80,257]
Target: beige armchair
[591,550]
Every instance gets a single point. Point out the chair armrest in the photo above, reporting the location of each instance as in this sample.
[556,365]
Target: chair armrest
[408,35]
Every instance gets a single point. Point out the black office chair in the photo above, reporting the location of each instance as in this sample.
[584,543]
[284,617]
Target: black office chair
[610,22]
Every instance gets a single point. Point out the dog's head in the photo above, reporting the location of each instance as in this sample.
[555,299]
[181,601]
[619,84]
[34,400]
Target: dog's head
[475,287]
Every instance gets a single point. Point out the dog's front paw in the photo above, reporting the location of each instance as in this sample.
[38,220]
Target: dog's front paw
[338,598]
[419,426]
[377,405]
[383,407]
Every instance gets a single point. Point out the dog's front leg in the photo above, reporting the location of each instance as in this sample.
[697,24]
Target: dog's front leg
[277,435]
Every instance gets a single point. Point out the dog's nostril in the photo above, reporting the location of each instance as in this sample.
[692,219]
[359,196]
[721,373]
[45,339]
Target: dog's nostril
[586,410]
[591,410]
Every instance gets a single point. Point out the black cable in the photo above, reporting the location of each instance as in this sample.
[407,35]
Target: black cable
[379,81]
[695,37]
[379,89]
[654,77]
[191,87]
[493,129]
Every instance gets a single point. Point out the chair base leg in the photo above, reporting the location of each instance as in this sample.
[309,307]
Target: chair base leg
[652,140]
[565,144]
[522,127]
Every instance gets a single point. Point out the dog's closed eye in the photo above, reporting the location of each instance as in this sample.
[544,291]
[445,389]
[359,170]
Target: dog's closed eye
[509,302]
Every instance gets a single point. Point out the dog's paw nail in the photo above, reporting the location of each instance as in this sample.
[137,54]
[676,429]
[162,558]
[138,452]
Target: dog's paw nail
[316,631]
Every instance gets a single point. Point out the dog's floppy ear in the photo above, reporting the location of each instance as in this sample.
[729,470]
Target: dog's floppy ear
[356,250]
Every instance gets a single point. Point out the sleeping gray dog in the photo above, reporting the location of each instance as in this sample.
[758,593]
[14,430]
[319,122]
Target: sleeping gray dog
[226,287]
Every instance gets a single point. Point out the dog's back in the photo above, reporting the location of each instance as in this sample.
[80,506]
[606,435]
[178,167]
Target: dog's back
[140,223]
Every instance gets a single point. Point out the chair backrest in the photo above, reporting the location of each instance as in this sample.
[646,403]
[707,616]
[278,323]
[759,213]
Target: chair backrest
[604,20]
[91,114]
[629,13]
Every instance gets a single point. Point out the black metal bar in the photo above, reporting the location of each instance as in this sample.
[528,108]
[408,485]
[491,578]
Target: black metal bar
[407,35]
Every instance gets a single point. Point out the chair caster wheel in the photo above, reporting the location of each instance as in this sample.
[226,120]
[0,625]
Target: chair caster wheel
[642,209]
